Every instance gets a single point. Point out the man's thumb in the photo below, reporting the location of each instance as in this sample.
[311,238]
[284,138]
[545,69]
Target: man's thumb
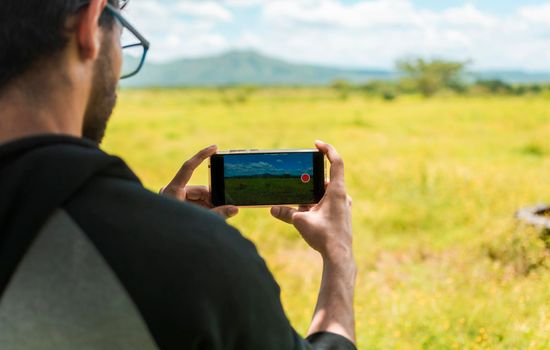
[227,211]
[283,213]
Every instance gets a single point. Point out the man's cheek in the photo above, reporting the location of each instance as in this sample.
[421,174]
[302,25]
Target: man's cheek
[117,58]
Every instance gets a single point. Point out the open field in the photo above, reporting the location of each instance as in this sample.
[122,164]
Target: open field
[443,264]
[257,191]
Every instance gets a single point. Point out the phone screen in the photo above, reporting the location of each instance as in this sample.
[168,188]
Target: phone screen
[250,179]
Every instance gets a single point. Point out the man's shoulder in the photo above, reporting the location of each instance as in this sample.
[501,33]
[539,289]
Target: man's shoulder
[150,238]
[125,208]
[117,201]
[184,267]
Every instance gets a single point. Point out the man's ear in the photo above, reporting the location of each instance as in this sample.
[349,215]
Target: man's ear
[88,33]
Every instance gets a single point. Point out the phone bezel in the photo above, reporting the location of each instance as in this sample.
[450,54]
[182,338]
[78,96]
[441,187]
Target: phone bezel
[217,185]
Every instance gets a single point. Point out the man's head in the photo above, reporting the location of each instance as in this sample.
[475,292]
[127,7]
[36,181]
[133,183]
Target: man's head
[70,43]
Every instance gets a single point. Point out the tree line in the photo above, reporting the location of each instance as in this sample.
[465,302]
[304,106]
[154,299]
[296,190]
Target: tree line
[432,77]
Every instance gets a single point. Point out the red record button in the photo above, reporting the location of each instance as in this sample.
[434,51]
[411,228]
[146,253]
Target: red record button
[305,178]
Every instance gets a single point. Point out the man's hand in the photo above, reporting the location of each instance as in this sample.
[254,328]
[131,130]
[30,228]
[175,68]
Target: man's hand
[199,195]
[327,228]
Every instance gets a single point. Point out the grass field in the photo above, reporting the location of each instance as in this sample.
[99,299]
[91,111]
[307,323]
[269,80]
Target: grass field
[258,191]
[442,262]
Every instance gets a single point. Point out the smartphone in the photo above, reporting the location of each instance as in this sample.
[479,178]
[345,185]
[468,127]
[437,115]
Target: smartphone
[254,178]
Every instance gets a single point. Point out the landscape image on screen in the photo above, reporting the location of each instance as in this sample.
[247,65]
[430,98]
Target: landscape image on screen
[264,179]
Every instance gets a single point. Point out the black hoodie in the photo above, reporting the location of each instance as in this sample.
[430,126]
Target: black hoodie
[90,259]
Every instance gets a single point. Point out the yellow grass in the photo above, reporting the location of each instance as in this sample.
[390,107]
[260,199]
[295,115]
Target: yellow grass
[443,264]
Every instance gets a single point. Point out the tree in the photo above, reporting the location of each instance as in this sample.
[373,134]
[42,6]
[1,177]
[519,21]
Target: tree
[342,87]
[429,77]
[494,86]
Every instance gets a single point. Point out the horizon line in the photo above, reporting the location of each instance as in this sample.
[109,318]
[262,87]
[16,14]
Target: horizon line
[262,54]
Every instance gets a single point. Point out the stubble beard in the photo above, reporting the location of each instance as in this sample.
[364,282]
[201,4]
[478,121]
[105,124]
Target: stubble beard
[103,96]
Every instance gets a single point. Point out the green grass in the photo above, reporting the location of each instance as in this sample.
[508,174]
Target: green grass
[442,262]
[261,191]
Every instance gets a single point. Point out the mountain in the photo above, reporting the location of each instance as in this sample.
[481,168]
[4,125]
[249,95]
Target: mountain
[245,67]
[249,67]
[513,76]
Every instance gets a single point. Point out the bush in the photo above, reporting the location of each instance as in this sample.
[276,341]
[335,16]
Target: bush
[388,90]
[342,87]
[389,95]
[430,77]
[494,86]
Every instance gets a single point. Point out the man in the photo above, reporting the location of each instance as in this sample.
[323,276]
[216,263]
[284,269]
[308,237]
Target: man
[89,259]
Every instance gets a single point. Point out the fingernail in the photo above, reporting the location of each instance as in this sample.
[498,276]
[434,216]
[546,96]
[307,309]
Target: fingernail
[232,211]
[319,141]
[213,146]
[275,211]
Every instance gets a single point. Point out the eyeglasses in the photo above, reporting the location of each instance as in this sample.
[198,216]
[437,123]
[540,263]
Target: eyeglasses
[134,45]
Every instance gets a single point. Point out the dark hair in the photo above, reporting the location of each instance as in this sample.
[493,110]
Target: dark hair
[32,30]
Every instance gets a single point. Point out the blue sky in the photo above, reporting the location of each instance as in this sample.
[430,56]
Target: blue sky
[492,6]
[254,164]
[493,34]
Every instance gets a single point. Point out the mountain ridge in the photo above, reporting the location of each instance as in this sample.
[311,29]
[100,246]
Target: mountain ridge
[241,67]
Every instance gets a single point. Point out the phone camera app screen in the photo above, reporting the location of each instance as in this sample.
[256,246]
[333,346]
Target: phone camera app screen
[281,178]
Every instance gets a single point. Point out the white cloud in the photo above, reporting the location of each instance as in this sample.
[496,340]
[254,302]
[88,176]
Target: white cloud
[377,32]
[204,9]
[363,33]
[245,3]
[467,15]
[178,30]
[536,13]
[333,13]
[374,14]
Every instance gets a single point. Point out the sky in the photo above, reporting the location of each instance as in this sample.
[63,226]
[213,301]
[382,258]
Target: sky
[256,164]
[491,34]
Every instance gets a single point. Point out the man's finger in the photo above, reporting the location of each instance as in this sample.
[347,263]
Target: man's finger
[304,208]
[174,192]
[227,211]
[186,172]
[336,162]
[197,193]
[283,213]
